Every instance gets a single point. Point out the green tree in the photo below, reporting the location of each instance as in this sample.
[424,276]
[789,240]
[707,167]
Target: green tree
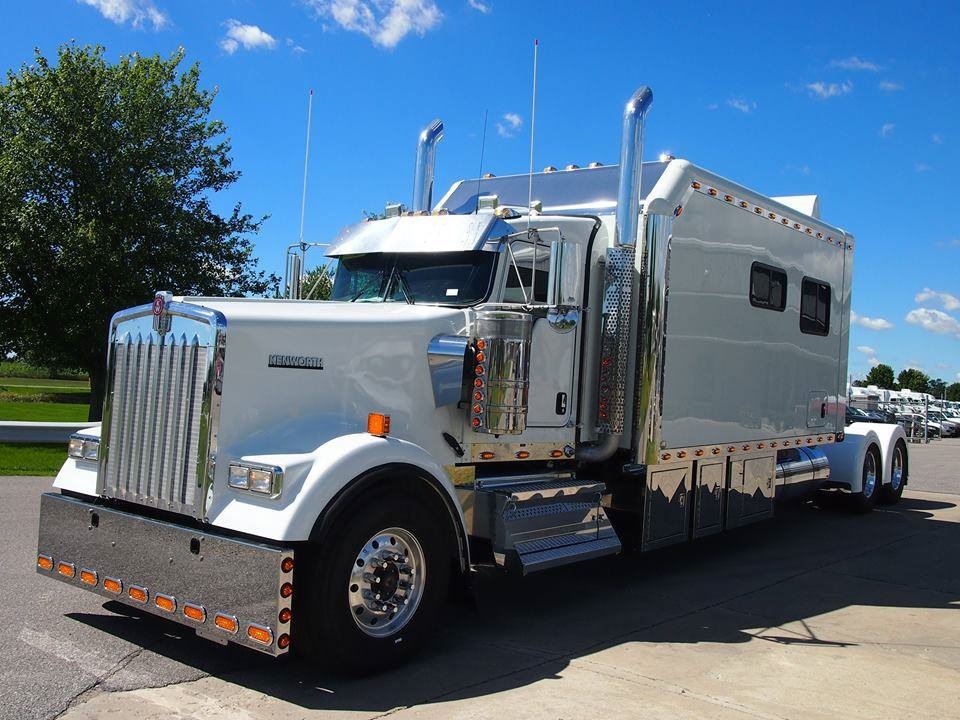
[913,379]
[953,392]
[318,283]
[107,174]
[936,387]
[881,375]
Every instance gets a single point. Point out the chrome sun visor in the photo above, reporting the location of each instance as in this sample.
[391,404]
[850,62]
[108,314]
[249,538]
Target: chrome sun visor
[422,234]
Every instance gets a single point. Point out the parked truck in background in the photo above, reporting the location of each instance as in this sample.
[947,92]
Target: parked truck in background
[646,354]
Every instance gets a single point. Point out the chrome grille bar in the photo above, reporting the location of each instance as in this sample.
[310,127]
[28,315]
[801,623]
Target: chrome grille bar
[162,409]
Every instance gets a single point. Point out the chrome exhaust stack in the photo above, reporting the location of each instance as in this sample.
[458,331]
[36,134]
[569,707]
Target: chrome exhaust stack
[423,172]
[618,285]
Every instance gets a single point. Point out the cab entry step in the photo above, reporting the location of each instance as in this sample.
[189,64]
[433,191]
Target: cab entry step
[545,522]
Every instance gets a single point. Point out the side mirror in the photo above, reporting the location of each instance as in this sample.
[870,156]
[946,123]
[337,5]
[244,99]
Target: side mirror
[563,291]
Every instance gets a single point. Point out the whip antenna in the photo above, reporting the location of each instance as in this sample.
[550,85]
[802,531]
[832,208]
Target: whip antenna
[306,161]
[533,118]
[483,145]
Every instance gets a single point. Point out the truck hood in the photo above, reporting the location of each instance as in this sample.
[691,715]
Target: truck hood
[298,373]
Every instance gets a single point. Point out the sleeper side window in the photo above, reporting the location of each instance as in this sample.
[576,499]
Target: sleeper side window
[768,287]
[814,307]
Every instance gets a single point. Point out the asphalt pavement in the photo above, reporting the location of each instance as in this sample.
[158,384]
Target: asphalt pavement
[818,613]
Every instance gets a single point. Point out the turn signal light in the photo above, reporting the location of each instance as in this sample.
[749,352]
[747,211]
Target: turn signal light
[112,585]
[45,562]
[478,369]
[286,590]
[481,357]
[194,612]
[285,615]
[478,383]
[88,577]
[226,622]
[478,408]
[378,424]
[478,396]
[138,593]
[260,634]
[486,454]
[475,422]
[283,642]
[66,569]
[165,603]
[481,344]
[287,564]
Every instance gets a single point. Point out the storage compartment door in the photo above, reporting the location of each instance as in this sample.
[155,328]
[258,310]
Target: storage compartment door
[665,506]
[708,498]
[750,491]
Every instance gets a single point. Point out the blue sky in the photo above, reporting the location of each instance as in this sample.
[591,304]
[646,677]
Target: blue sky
[855,102]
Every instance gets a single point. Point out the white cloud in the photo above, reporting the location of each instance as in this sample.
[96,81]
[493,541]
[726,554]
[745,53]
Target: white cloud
[744,106]
[936,139]
[137,12]
[870,323]
[479,6]
[922,167]
[872,361]
[510,125]
[249,37]
[887,129]
[824,90]
[294,48]
[385,22]
[890,86]
[935,321]
[855,63]
[866,350]
[949,302]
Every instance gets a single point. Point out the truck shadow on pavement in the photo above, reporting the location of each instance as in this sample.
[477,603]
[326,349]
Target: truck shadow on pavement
[766,582]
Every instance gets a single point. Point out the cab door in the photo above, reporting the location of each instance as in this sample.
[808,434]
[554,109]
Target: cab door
[544,277]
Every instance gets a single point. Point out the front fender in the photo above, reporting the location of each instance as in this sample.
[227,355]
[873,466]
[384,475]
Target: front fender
[312,480]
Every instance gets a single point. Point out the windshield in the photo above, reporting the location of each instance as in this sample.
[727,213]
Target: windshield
[445,278]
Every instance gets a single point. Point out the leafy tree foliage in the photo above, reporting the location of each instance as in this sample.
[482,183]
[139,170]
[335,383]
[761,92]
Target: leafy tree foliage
[913,379]
[107,175]
[318,283]
[936,387]
[881,375]
[953,392]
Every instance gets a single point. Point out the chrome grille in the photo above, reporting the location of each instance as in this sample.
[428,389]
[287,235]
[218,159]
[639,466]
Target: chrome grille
[162,408]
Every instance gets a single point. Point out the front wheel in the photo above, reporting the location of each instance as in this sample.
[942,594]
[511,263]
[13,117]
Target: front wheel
[891,492]
[375,584]
[866,499]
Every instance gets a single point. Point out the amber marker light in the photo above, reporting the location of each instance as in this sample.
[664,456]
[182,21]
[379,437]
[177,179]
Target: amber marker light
[695,185]
[522,455]
[283,642]
[699,453]
[194,612]
[480,356]
[478,383]
[286,590]
[556,453]
[713,193]
[260,634]
[732,448]
[138,593]
[682,454]
[88,577]
[287,564]
[478,396]
[45,562]
[225,622]
[113,585]
[285,615]
[476,422]
[665,456]
[378,424]
[481,344]
[487,455]
[66,569]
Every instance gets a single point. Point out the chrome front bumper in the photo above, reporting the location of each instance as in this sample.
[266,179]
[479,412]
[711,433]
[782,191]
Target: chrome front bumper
[171,569]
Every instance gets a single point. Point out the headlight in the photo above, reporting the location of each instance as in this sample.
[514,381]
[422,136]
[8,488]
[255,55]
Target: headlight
[261,479]
[84,447]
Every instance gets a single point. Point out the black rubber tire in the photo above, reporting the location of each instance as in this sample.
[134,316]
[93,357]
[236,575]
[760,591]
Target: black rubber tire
[324,630]
[888,494]
[862,502]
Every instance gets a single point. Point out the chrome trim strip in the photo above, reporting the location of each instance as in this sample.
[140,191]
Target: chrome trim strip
[446,355]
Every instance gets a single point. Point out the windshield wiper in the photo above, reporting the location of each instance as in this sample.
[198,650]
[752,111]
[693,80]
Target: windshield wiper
[404,286]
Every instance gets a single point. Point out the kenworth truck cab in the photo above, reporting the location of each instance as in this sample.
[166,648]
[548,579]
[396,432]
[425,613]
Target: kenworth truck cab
[645,354]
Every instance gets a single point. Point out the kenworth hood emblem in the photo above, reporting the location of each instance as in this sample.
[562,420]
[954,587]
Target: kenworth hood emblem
[161,318]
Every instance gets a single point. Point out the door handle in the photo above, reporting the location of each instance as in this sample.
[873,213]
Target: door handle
[823,410]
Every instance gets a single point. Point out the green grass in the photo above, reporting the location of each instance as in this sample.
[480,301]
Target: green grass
[31,459]
[45,383]
[43,411]
[16,368]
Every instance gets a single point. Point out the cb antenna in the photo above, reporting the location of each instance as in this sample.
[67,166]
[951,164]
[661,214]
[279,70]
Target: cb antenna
[306,162]
[533,120]
[483,145]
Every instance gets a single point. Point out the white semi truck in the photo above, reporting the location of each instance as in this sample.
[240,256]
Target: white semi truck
[645,354]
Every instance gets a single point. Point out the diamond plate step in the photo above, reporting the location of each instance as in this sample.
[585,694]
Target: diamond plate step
[563,550]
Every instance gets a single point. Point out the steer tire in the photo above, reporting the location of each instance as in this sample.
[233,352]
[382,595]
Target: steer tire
[865,500]
[891,492]
[326,628]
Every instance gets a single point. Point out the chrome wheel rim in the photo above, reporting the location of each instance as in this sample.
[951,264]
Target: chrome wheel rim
[869,474]
[386,582]
[896,475]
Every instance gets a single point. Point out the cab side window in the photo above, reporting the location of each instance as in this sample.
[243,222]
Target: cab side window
[814,307]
